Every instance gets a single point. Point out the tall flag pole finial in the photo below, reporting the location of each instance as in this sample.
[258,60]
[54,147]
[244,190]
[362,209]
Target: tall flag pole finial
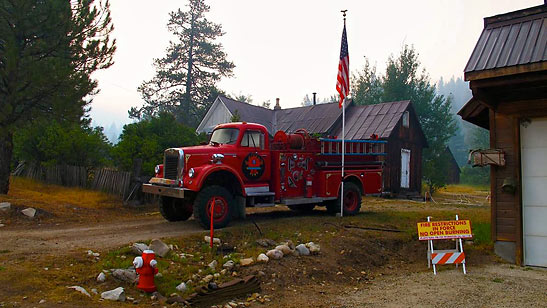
[342,86]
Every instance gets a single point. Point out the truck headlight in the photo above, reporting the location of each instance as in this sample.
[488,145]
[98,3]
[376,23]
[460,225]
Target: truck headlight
[157,169]
[191,172]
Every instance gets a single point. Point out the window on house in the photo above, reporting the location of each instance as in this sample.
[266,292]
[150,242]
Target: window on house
[406,119]
[253,139]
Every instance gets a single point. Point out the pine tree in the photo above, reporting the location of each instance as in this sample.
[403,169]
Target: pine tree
[187,74]
[49,51]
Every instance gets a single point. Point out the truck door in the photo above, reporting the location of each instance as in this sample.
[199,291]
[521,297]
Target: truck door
[255,158]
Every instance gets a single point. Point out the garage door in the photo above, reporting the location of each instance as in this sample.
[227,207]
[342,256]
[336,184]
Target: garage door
[533,140]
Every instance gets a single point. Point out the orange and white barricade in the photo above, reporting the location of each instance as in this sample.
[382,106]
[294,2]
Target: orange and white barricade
[444,230]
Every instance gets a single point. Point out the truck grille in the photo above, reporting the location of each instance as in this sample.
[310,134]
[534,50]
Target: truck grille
[170,166]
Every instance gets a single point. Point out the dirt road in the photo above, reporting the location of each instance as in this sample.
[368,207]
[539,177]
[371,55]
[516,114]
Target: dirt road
[55,239]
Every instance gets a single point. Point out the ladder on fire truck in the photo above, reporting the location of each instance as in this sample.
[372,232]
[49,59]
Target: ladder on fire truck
[353,147]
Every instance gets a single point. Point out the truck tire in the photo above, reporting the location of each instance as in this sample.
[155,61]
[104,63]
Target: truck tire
[174,209]
[223,210]
[304,208]
[352,200]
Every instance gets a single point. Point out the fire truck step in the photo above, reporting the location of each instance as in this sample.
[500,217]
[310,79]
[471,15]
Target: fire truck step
[264,204]
[261,194]
[293,201]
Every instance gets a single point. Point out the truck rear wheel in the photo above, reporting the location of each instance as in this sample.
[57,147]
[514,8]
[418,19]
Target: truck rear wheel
[224,205]
[302,207]
[174,209]
[352,200]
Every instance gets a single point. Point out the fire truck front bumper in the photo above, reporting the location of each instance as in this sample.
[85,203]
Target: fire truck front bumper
[174,192]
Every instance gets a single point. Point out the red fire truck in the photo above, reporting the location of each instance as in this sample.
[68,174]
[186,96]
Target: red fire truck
[243,167]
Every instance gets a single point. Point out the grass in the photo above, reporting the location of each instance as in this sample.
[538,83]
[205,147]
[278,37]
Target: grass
[48,195]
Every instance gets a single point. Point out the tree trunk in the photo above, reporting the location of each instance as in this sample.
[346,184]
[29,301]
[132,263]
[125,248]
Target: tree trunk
[6,151]
[188,96]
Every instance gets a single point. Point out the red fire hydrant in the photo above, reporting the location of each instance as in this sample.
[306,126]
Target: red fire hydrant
[146,267]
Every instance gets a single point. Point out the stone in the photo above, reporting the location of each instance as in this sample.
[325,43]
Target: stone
[5,206]
[126,275]
[216,275]
[262,258]
[80,289]
[212,286]
[274,254]
[138,248]
[94,291]
[289,243]
[229,265]
[266,242]
[29,212]
[160,248]
[213,264]
[302,250]
[117,294]
[158,275]
[93,254]
[207,278]
[101,277]
[2,225]
[261,274]
[207,239]
[43,301]
[223,271]
[314,248]
[284,249]
[246,261]
[182,287]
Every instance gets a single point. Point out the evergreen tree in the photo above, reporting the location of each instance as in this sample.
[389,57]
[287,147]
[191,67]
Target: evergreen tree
[403,81]
[187,75]
[49,51]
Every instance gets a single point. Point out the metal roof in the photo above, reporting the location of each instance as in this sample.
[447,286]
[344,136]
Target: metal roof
[318,118]
[250,113]
[379,119]
[515,38]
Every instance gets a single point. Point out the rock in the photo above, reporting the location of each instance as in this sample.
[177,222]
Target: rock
[2,225]
[5,206]
[229,265]
[93,254]
[94,291]
[262,258]
[43,301]
[158,296]
[216,275]
[101,277]
[125,275]
[302,250]
[284,249]
[274,254]
[213,264]
[266,242]
[160,248]
[212,286]
[138,248]
[29,212]
[207,239]
[223,271]
[158,275]
[314,248]
[261,274]
[117,294]
[80,289]
[289,243]
[182,287]
[246,261]
[207,278]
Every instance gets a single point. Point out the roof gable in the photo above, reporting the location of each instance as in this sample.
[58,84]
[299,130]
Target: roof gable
[249,113]
[379,119]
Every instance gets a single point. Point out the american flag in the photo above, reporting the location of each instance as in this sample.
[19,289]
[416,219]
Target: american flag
[342,84]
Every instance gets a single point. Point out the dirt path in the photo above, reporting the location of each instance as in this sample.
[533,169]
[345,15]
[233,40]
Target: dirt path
[56,239]
[493,285]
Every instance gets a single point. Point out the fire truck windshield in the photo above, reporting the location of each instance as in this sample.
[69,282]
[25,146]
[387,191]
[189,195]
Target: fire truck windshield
[225,136]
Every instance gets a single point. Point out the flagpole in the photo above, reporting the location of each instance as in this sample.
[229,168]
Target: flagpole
[343,141]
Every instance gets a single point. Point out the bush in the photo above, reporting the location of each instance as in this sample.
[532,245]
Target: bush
[475,176]
[148,139]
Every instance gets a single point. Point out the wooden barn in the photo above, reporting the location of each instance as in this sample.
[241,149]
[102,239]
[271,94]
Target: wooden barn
[395,122]
[507,72]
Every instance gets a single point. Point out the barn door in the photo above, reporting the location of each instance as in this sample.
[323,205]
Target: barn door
[533,147]
[405,168]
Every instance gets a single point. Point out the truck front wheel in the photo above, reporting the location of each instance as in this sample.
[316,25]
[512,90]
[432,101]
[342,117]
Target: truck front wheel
[352,200]
[174,209]
[222,202]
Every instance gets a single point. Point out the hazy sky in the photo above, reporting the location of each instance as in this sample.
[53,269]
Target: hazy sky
[288,49]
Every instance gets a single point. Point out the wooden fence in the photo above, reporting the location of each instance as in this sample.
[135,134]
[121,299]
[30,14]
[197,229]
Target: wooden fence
[107,180]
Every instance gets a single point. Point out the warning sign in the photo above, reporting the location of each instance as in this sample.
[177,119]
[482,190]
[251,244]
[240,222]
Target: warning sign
[443,230]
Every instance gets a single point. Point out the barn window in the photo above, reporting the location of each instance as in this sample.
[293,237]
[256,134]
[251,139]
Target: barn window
[406,119]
